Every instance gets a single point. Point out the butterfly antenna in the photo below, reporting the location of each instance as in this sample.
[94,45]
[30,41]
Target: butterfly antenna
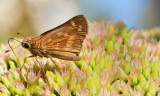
[21,35]
[11,47]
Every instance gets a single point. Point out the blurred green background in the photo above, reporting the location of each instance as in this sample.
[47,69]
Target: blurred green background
[33,17]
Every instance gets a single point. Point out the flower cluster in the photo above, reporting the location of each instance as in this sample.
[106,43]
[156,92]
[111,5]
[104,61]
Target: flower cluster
[115,61]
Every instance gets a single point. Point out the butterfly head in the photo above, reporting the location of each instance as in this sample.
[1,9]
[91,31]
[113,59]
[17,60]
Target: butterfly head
[26,43]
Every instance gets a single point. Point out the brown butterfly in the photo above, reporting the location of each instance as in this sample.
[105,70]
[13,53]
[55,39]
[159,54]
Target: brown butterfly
[63,42]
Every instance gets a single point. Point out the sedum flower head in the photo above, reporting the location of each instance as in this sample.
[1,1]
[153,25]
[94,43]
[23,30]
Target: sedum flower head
[115,62]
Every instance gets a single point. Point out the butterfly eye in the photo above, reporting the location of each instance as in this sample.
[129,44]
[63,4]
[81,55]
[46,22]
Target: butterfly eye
[26,45]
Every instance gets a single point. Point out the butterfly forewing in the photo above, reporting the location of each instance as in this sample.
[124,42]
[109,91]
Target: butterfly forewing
[65,41]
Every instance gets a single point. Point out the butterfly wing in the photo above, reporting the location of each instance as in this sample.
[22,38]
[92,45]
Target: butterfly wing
[65,41]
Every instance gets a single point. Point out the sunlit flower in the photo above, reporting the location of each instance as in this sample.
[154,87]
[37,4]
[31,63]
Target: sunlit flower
[32,76]
[115,61]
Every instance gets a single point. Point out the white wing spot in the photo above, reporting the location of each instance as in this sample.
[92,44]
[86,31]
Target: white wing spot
[73,24]
[49,39]
[59,33]
[80,26]
[65,34]
[79,29]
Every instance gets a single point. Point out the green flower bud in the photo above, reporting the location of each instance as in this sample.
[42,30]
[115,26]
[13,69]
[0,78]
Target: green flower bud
[96,82]
[154,74]
[109,46]
[73,86]
[109,66]
[50,80]
[134,81]
[84,65]
[142,80]
[127,67]
[78,63]
[146,72]
[89,82]
[78,87]
[12,65]
[93,54]
[102,63]
[97,68]
[109,86]
[56,86]
[149,94]
[32,76]
[19,92]
[145,62]
[8,58]
[20,62]
[93,89]
[12,90]
[89,69]
[92,39]
[130,53]
[91,86]
[6,82]
[59,79]
[92,63]
[152,89]
[4,90]
[138,87]
[124,32]
[111,29]
[4,94]
[50,74]
[97,40]
[27,93]
[19,88]
[53,95]
[122,75]
[47,67]
[10,78]
[41,83]
[4,66]
[16,76]
[31,89]
[146,86]
[140,68]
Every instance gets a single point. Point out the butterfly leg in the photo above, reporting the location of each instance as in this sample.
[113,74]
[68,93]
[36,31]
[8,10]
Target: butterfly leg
[45,77]
[53,61]
[40,66]
[25,60]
